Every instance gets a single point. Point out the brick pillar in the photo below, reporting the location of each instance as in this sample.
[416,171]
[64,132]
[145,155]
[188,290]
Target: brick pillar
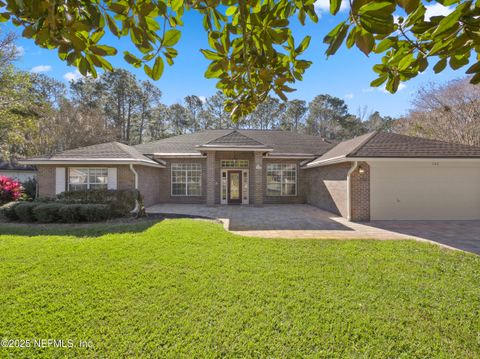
[258,178]
[360,193]
[210,178]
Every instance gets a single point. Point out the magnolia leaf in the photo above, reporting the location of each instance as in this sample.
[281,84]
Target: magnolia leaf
[231,10]
[157,69]
[440,66]
[408,5]
[335,6]
[171,37]
[364,41]
[379,81]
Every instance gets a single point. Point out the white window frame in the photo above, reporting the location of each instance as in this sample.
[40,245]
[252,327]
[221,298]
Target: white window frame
[281,179]
[199,165]
[234,164]
[88,183]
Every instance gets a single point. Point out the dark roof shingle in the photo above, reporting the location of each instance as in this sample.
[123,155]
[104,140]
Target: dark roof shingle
[102,151]
[14,166]
[234,138]
[392,145]
[384,144]
[343,149]
[282,142]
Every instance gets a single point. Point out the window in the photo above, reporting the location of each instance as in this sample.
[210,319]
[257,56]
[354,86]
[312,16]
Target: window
[81,179]
[234,163]
[186,179]
[281,179]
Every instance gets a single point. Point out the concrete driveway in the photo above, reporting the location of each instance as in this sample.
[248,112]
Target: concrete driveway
[304,221]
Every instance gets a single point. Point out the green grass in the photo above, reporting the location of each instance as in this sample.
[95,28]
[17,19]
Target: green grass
[185,288]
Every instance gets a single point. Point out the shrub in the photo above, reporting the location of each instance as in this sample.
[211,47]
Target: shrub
[10,190]
[8,211]
[95,212]
[47,212]
[121,202]
[30,188]
[70,213]
[24,211]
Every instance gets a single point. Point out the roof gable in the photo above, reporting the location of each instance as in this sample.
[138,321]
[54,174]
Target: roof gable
[234,139]
[343,149]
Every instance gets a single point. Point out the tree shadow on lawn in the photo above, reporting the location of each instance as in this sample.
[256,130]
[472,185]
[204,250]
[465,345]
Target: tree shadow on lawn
[92,229]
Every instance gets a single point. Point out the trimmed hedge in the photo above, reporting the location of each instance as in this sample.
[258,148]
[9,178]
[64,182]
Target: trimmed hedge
[70,213]
[8,211]
[24,211]
[95,212]
[121,202]
[75,206]
[47,212]
[56,212]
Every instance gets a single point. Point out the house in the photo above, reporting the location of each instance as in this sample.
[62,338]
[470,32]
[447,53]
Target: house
[16,171]
[377,176]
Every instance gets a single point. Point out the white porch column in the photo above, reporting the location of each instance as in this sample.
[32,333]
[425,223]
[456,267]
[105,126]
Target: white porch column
[211,178]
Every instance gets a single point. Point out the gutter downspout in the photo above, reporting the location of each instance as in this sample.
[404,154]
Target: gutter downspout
[349,200]
[135,174]
[136,210]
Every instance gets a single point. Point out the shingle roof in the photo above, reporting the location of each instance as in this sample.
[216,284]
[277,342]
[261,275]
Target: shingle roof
[384,144]
[343,149]
[392,145]
[282,142]
[235,139]
[102,151]
[14,166]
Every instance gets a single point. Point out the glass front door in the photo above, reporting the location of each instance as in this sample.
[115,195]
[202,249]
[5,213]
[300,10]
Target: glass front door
[234,186]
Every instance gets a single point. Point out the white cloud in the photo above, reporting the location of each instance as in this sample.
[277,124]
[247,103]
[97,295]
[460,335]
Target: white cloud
[41,68]
[72,76]
[368,89]
[324,6]
[348,96]
[202,98]
[437,9]
[19,50]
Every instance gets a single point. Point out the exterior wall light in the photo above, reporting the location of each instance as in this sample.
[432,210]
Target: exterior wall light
[361,170]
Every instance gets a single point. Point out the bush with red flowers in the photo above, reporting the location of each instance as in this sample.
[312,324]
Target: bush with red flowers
[10,190]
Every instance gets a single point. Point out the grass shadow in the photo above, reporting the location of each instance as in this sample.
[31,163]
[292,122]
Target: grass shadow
[92,229]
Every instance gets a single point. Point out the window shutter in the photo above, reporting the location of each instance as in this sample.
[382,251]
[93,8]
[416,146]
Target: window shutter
[112,178]
[59,180]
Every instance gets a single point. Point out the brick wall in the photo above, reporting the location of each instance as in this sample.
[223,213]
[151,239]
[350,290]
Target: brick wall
[301,184]
[149,184]
[46,181]
[360,193]
[164,180]
[326,187]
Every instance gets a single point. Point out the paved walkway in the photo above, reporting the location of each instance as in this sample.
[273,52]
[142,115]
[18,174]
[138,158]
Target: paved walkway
[304,221]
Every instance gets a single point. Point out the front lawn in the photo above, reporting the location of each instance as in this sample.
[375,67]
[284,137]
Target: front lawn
[187,288]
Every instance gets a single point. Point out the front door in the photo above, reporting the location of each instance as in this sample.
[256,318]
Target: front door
[234,187]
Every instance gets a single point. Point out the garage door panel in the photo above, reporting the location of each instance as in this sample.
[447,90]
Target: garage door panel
[427,192]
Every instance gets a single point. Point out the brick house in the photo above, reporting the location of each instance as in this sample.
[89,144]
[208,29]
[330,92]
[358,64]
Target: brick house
[375,176]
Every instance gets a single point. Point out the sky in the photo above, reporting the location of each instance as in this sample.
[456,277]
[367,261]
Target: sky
[346,75]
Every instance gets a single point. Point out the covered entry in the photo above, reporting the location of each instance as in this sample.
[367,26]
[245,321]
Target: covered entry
[425,190]
[235,181]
